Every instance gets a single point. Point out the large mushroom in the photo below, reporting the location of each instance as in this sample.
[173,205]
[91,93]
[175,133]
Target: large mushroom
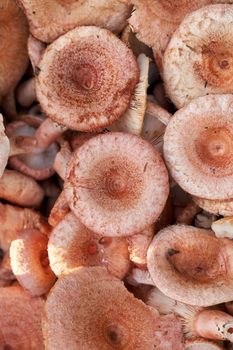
[191,265]
[198,146]
[199,58]
[116,184]
[86,79]
[49,19]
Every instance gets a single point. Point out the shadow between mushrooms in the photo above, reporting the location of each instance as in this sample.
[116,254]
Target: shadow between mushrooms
[86,79]
[116,184]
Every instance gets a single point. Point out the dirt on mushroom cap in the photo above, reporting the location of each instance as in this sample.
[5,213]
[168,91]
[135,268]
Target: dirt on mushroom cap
[199,58]
[116,184]
[86,79]
[62,16]
[198,145]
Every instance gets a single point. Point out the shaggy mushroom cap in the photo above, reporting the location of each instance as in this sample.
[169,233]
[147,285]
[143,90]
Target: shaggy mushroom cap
[86,79]
[191,265]
[201,344]
[116,184]
[14,35]
[20,320]
[4,147]
[199,58]
[103,314]
[198,145]
[29,262]
[64,15]
[72,245]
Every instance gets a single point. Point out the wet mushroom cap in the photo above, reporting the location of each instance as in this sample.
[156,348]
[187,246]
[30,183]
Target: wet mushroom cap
[116,184]
[198,145]
[20,320]
[62,16]
[199,58]
[191,265]
[14,35]
[72,245]
[86,79]
[103,314]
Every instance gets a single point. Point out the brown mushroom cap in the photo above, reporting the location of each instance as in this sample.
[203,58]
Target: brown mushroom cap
[191,265]
[29,262]
[199,58]
[218,207]
[103,314]
[20,320]
[62,16]
[86,79]
[72,245]
[14,34]
[116,184]
[198,147]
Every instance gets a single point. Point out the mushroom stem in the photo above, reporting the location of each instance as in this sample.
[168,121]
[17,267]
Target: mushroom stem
[62,159]
[214,324]
[48,132]
[159,112]
[21,145]
[139,276]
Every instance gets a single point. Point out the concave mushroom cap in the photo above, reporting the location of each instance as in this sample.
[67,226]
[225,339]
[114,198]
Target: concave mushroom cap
[14,34]
[103,314]
[71,245]
[198,59]
[201,344]
[218,207]
[191,265]
[86,79]
[116,184]
[62,16]
[20,320]
[4,147]
[29,262]
[198,146]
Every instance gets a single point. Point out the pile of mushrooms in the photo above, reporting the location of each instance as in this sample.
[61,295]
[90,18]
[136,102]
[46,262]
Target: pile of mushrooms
[116,173]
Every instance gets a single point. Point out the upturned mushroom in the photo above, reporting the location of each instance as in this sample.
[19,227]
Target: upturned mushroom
[86,79]
[191,265]
[62,16]
[198,145]
[111,179]
[199,57]
[72,245]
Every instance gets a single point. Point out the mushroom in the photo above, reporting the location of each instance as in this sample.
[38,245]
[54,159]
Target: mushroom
[72,245]
[62,16]
[191,265]
[20,189]
[14,34]
[218,207]
[59,210]
[103,314]
[20,320]
[204,219]
[111,179]
[196,321]
[4,147]
[29,262]
[223,227]
[201,344]
[198,145]
[25,93]
[62,159]
[35,51]
[199,56]
[86,79]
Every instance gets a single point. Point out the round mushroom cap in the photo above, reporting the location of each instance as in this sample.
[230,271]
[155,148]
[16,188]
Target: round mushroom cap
[86,79]
[14,35]
[218,207]
[20,320]
[191,265]
[199,58]
[201,344]
[116,184]
[64,15]
[198,147]
[71,245]
[103,314]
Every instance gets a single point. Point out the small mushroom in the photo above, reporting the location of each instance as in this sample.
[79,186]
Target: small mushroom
[199,57]
[86,79]
[20,320]
[201,344]
[191,265]
[111,179]
[29,262]
[72,245]
[223,227]
[103,314]
[198,146]
[50,19]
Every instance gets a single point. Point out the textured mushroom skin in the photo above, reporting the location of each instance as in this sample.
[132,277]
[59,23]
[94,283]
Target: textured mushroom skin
[86,79]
